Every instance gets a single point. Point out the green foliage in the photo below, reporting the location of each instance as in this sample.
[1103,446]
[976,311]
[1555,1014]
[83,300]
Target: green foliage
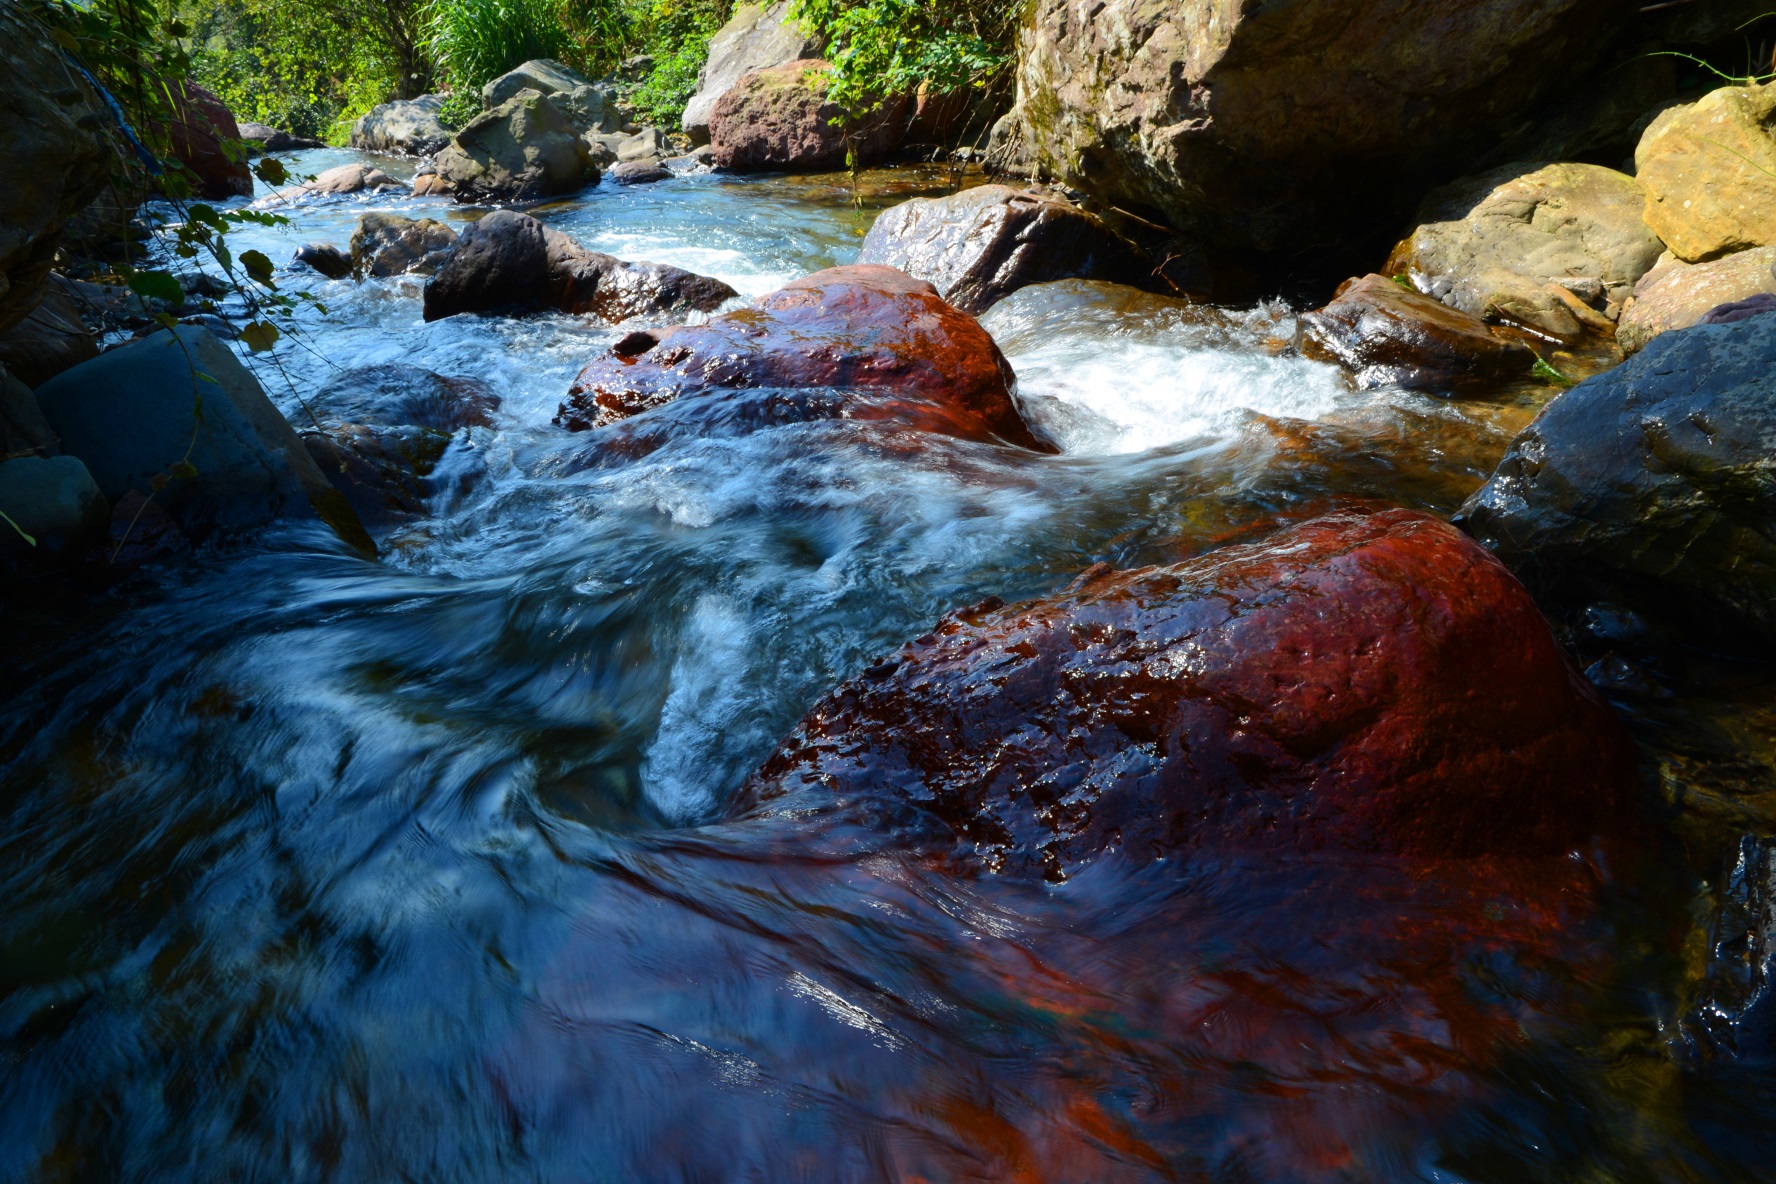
[1547,373]
[880,48]
[675,33]
[475,41]
[308,66]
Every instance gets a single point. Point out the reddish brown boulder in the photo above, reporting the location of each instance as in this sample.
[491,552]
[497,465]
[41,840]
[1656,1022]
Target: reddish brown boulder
[1390,335]
[1372,683]
[860,327]
[780,119]
[201,124]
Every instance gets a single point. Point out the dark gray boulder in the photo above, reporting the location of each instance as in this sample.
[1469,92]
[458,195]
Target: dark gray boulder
[325,258]
[510,262]
[23,430]
[131,416]
[409,127]
[983,244]
[389,244]
[53,500]
[1652,484]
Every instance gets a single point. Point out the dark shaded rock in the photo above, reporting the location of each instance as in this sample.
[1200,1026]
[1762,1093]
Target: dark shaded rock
[1652,484]
[1274,126]
[131,415]
[639,172]
[23,430]
[520,150]
[984,243]
[389,244]
[52,499]
[499,262]
[1740,310]
[859,327]
[509,261]
[1390,335]
[141,531]
[202,125]
[56,157]
[757,37]
[405,127]
[325,258]
[1360,683]
[51,339]
[780,119]
[270,139]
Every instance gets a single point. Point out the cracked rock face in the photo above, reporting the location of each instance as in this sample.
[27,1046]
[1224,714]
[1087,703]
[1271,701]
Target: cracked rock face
[1270,126]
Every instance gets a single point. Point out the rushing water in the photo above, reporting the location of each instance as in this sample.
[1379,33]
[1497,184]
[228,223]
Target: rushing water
[319,868]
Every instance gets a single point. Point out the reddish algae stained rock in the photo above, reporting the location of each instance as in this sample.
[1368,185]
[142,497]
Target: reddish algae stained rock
[857,327]
[201,122]
[1371,683]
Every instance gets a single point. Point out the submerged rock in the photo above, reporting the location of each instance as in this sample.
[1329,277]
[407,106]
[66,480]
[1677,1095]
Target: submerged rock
[335,182]
[861,327]
[404,127]
[780,119]
[385,431]
[57,159]
[522,149]
[390,244]
[757,37]
[1390,335]
[1358,683]
[1709,171]
[1676,295]
[639,172]
[984,243]
[131,415]
[1651,484]
[1276,126]
[510,261]
[1495,245]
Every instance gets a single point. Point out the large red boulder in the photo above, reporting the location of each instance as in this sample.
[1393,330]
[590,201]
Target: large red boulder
[201,124]
[1372,683]
[781,119]
[862,328]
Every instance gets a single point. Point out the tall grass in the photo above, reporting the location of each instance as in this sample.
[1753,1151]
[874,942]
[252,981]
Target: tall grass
[475,41]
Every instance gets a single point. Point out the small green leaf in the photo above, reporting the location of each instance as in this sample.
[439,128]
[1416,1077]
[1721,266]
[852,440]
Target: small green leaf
[20,529]
[157,285]
[260,336]
[1547,373]
[258,266]
[271,171]
[183,469]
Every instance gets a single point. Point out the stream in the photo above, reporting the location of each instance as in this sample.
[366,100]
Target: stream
[319,868]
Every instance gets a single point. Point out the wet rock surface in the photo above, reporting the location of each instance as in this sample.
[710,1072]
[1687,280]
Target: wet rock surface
[522,149]
[404,127]
[1360,683]
[390,244]
[1388,335]
[985,243]
[511,261]
[324,258]
[1652,482]
[53,500]
[340,181]
[780,119]
[862,326]
[1495,245]
[1676,295]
